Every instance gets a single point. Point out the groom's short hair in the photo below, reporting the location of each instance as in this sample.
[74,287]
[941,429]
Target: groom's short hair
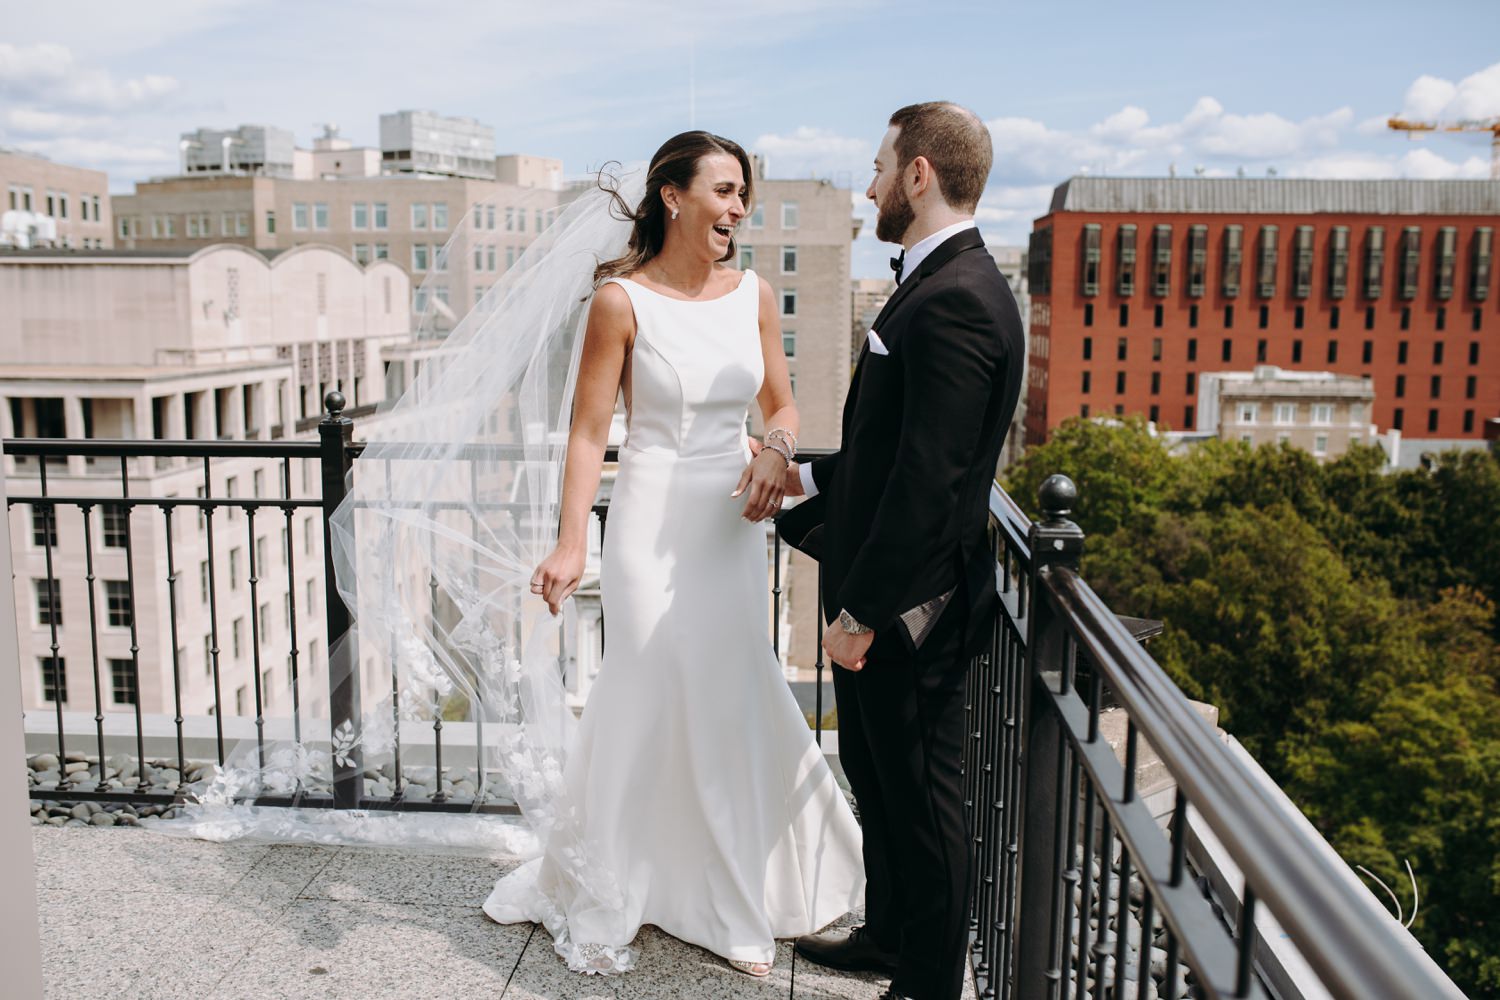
[954,141]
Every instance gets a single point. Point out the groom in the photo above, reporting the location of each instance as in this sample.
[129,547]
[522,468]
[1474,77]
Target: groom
[898,519]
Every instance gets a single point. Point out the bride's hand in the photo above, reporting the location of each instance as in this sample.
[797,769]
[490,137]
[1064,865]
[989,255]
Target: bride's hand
[558,576]
[764,483]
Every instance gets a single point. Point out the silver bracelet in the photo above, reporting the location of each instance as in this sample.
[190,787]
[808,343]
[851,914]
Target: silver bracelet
[789,437]
[773,446]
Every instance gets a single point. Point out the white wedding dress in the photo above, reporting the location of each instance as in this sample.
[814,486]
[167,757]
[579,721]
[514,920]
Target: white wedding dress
[696,797]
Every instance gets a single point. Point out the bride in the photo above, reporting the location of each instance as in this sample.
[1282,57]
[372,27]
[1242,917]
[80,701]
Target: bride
[693,796]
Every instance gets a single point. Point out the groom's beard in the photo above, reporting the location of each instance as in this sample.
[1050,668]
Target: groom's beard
[894,217]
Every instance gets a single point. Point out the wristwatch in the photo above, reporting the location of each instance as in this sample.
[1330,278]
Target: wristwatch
[848,623]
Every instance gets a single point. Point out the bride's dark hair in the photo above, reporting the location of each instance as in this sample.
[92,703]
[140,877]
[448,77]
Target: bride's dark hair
[675,163]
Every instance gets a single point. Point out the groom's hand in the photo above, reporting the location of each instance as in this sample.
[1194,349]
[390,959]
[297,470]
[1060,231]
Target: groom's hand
[845,648]
[794,480]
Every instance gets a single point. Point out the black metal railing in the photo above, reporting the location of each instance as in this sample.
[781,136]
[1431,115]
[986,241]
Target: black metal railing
[1077,885]
[1080,892]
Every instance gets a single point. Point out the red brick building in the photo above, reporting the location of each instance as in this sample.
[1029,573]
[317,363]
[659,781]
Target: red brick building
[1139,285]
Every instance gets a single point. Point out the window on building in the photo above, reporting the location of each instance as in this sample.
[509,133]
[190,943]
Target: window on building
[204,592]
[1286,413]
[489,216]
[299,215]
[1088,348]
[489,258]
[1192,385]
[320,215]
[1400,386]
[1474,352]
[1234,251]
[1333,351]
[1374,263]
[1249,412]
[1156,383]
[1161,259]
[1088,314]
[1411,261]
[1437,352]
[1265,271]
[1124,314]
[1468,421]
[1265,317]
[419,215]
[48,601]
[237,632]
[116,525]
[788,260]
[123,682]
[54,679]
[1227,351]
[1157,315]
[758,217]
[362,253]
[419,256]
[1432,421]
[382,215]
[360,215]
[1367,352]
[1122,347]
[1125,263]
[1442,317]
[1338,261]
[1192,348]
[1039,261]
[1197,275]
[1481,248]
[1302,261]
[1320,444]
[383,252]
[789,343]
[789,215]
[1435,388]
[1446,257]
[1088,382]
[1156,348]
[117,603]
[1322,413]
[1119,383]
[1090,272]
[440,215]
[263,619]
[1398,418]
[1260,351]
[788,302]
[1296,352]
[1401,351]
[747,258]
[1187,416]
[1333,318]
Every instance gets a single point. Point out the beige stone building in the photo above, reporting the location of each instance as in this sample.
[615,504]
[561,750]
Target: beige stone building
[798,237]
[42,197]
[1321,412]
[870,296]
[220,343]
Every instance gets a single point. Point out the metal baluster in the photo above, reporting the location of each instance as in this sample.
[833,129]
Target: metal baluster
[206,505]
[1143,951]
[54,612]
[135,645]
[398,785]
[91,579]
[260,716]
[167,511]
[437,720]
[335,435]
[288,510]
[1086,902]
[1106,873]
[1245,959]
[1070,878]
[1055,909]
[1122,913]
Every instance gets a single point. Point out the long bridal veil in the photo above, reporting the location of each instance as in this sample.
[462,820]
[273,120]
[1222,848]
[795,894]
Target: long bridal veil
[452,503]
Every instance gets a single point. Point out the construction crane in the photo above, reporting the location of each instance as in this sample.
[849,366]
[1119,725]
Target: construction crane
[1490,125]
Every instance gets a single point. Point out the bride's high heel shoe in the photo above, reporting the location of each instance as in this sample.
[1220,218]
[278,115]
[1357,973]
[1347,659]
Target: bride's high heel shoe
[757,969]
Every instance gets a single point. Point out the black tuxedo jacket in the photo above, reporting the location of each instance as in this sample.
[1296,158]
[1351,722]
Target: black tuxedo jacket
[902,508]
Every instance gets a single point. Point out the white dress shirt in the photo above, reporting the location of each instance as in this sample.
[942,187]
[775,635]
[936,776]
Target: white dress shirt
[914,258]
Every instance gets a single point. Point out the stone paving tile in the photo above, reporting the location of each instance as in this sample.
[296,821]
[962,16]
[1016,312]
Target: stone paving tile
[127,860]
[666,969]
[285,872]
[101,946]
[399,876]
[321,949]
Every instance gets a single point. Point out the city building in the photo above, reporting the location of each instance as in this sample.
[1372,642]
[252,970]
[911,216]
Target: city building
[425,142]
[374,205]
[220,343]
[257,149]
[1319,412]
[870,296]
[798,237]
[1140,285]
[52,204]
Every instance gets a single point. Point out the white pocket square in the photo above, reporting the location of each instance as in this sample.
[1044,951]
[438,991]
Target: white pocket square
[877,346]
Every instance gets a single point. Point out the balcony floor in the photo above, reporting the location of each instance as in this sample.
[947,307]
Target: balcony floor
[128,913]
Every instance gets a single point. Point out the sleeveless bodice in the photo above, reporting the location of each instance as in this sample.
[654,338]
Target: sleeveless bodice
[694,370]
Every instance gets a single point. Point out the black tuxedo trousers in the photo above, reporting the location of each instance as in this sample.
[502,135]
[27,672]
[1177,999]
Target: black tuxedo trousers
[900,521]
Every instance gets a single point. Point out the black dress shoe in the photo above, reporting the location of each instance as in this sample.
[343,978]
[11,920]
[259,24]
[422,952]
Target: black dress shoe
[848,951]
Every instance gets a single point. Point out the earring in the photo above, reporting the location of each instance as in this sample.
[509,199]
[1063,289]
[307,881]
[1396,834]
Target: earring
[674,215]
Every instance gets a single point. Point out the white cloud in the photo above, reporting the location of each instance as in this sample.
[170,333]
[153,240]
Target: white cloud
[1475,96]
[807,151]
[47,75]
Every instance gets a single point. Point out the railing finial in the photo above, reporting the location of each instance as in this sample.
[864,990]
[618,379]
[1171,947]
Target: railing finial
[334,403]
[1058,496]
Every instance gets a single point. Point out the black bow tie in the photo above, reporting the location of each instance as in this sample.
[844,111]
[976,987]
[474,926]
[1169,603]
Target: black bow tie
[897,263]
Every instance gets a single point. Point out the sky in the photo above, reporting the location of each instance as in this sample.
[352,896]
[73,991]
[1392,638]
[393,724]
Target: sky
[1105,88]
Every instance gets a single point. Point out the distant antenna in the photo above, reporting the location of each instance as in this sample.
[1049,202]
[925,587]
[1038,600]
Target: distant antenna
[1171,170]
[1270,171]
[1239,171]
[1198,170]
